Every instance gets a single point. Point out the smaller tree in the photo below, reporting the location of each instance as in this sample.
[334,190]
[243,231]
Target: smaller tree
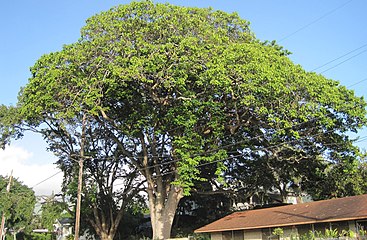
[17,205]
[52,210]
[108,184]
[346,178]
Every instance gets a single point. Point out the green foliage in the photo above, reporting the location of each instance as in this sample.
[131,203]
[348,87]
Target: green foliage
[331,233]
[346,178]
[278,232]
[138,89]
[201,236]
[38,236]
[348,233]
[308,236]
[17,205]
[172,89]
[70,237]
[52,210]
[9,128]
[328,234]
[362,232]
[152,68]
[133,219]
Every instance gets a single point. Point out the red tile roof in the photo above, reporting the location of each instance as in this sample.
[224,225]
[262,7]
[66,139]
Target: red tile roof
[340,209]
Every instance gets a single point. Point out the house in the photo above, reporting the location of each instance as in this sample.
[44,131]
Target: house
[64,228]
[343,214]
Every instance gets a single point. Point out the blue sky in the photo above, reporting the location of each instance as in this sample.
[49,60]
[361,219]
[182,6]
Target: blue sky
[316,32]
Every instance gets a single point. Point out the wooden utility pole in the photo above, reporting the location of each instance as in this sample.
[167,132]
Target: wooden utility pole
[79,199]
[3,217]
[80,181]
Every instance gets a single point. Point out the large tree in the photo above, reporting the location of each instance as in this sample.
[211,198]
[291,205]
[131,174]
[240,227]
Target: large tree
[176,88]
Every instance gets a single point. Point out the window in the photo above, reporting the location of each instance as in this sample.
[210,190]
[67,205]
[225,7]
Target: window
[340,226]
[227,235]
[304,230]
[266,233]
[238,235]
[233,235]
[320,227]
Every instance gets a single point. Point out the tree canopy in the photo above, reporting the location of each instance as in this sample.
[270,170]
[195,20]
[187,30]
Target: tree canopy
[177,88]
[53,209]
[17,205]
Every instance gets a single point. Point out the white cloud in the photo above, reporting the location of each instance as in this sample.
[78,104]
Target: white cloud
[40,177]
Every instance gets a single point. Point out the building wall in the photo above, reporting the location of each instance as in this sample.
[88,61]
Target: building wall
[228,235]
[216,236]
[288,232]
[352,226]
[253,235]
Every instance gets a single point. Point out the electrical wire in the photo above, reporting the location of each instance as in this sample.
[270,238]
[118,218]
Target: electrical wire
[258,149]
[344,61]
[46,179]
[226,146]
[335,59]
[363,80]
[235,156]
[307,25]
[315,21]
[212,150]
[364,138]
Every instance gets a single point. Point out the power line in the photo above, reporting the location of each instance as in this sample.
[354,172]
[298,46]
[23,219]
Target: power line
[345,54]
[46,179]
[344,61]
[362,139]
[239,155]
[323,65]
[363,80]
[257,149]
[316,20]
[221,147]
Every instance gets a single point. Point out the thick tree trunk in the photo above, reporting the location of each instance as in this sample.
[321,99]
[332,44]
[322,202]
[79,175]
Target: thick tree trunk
[105,227]
[162,211]
[162,195]
[106,236]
